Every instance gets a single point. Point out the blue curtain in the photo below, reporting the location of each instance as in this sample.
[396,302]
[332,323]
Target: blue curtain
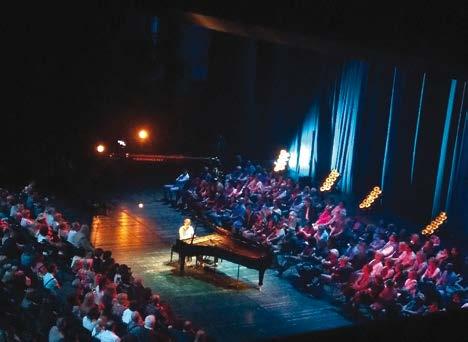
[303,148]
[344,121]
[401,127]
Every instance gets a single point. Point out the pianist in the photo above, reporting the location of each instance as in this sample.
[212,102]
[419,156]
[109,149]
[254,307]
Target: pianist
[186,231]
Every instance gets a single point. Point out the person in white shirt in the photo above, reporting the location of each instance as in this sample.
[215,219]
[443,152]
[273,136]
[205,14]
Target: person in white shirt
[170,189]
[103,331]
[407,257]
[80,239]
[75,227]
[127,314]
[186,231]
[91,319]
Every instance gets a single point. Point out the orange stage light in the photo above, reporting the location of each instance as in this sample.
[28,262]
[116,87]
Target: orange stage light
[143,134]
[100,148]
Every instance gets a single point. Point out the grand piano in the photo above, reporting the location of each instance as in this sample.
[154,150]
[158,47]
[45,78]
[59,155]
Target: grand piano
[225,247]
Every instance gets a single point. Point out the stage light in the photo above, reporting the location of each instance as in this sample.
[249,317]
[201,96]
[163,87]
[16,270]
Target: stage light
[121,143]
[435,224]
[282,161]
[143,134]
[330,181]
[370,198]
[140,205]
[100,148]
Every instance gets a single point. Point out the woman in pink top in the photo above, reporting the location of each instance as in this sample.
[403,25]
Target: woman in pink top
[433,271]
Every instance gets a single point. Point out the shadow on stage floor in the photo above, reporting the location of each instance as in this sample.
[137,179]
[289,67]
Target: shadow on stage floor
[212,276]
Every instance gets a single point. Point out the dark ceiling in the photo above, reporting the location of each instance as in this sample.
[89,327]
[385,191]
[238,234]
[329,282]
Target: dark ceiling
[418,33]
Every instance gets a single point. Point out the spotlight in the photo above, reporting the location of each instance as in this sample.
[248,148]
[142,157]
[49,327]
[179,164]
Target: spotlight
[330,181]
[370,198]
[280,163]
[100,148]
[143,134]
[140,205]
[121,143]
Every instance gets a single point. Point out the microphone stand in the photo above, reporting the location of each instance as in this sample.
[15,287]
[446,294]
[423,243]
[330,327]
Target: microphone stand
[194,230]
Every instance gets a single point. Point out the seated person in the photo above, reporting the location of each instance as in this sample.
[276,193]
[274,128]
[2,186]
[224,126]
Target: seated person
[174,189]
[377,243]
[390,247]
[277,235]
[432,272]
[411,284]
[310,273]
[186,231]
[322,235]
[324,218]
[420,264]
[448,282]
[360,284]
[407,257]
[376,264]
[386,297]
[340,273]
[415,306]
[388,271]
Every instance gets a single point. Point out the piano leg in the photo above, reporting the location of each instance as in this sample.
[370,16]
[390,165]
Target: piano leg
[261,273]
[181,262]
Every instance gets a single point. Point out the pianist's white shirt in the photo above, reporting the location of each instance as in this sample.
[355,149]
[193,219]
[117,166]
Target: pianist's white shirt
[186,233]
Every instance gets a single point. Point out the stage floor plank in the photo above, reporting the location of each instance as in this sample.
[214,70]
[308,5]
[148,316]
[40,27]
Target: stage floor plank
[226,309]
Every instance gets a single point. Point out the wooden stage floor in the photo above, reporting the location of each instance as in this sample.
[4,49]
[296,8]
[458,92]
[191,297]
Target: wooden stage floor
[228,310]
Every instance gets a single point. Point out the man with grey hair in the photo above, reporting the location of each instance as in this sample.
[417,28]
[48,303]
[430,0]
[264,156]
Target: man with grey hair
[146,333]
